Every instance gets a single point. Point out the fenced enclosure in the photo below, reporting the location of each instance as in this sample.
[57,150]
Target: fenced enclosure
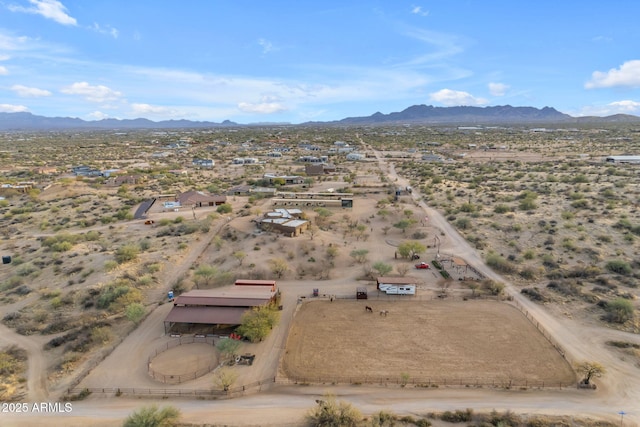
[172,378]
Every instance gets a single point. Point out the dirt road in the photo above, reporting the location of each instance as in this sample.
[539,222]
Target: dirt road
[284,405]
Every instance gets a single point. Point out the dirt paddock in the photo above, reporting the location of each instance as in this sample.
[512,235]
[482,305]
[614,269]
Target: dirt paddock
[184,360]
[467,342]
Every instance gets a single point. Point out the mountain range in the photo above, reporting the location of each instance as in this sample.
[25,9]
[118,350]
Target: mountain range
[416,114]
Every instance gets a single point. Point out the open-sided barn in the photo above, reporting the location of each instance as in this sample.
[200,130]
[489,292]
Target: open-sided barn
[218,307]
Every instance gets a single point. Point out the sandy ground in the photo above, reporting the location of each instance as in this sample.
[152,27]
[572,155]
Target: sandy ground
[432,341]
[285,404]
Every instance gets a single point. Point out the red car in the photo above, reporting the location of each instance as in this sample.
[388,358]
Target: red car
[423,265]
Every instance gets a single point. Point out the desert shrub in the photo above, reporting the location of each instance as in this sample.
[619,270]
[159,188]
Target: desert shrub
[328,412]
[619,310]
[619,267]
[10,283]
[110,294]
[534,294]
[153,416]
[224,208]
[126,253]
[499,263]
[501,208]
[457,416]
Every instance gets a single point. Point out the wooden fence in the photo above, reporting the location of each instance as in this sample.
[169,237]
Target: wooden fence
[177,379]
[174,392]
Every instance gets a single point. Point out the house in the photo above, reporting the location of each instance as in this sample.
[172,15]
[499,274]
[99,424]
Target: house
[288,179]
[117,181]
[218,307]
[319,169]
[355,156]
[285,221]
[203,163]
[200,199]
[623,159]
[432,158]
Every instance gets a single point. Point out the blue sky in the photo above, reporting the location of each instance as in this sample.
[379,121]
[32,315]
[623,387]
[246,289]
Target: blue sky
[285,61]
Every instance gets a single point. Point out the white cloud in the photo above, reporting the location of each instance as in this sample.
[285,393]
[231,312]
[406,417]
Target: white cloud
[3,70]
[155,110]
[628,75]
[617,107]
[97,93]
[267,46]
[50,9]
[8,108]
[498,89]
[29,92]
[452,98]
[262,108]
[109,30]
[4,57]
[417,10]
[98,115]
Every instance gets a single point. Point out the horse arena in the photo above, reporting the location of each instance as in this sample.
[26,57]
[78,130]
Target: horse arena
[424,342]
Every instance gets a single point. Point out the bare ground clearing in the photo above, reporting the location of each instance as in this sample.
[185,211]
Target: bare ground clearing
[481,341]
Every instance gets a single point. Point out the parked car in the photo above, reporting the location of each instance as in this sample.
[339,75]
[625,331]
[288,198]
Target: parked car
[423,265]
[415,256]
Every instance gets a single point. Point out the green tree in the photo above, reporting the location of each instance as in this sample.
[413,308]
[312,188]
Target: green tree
[205,275]
[360,255]
[134,312]
[240,256]
[382,268]
[228,347]
[152,416]
[409,248]
[403,224]
[258,322]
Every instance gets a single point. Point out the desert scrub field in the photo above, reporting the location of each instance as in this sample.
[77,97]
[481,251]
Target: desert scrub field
[13,364]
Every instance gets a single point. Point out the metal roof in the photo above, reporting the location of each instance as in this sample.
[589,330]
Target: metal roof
[206,315]
[228,296]
[406,280]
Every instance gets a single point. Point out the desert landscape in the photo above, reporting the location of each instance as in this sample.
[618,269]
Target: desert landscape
[536,237]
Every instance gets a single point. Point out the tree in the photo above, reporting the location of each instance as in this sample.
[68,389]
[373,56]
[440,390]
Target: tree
[590,370]
[228,347]
[402,269]
[332,252]
[360,255]
[279,267]
[152,416]
[403,224]
[382,268]
[134,312]
[258,322]
[225,378]
[409,248]
[240,256]
[331,413]
[205,275]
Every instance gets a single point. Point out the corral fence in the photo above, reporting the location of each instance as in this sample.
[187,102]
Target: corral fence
[177,379]
[430,382]
[256,386]
[542,330]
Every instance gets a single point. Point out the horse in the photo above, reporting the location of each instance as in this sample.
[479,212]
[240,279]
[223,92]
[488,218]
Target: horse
[368,309]
[384,313]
